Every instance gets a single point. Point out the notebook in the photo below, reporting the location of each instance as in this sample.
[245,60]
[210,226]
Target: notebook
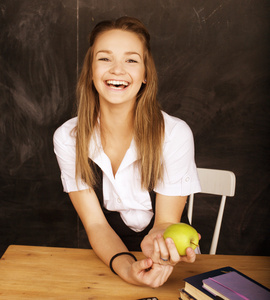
[235,286]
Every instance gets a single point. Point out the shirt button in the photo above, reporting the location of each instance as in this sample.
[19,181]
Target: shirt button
[187,179]
[118,200]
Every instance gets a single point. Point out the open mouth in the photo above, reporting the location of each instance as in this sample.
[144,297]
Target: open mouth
[117,84]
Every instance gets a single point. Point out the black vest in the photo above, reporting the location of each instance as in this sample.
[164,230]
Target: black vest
[130,238]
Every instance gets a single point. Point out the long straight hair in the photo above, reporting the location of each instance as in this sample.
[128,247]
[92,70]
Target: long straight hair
[148,120]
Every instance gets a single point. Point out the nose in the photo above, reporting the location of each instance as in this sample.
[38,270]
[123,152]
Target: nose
[117,68]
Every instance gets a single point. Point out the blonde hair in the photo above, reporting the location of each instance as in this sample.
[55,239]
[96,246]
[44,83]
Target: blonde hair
[148,124]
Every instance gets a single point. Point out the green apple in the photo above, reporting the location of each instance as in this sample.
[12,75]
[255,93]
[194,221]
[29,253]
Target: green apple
[183,235]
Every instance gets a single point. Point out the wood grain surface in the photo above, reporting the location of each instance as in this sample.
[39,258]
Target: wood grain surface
[60,273]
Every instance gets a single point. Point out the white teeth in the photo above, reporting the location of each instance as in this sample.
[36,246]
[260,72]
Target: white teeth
[117,82]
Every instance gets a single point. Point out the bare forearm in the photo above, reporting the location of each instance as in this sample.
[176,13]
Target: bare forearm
[105,242]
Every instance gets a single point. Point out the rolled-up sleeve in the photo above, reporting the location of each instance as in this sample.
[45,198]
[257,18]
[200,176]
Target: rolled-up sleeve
[180,172]
[65,151]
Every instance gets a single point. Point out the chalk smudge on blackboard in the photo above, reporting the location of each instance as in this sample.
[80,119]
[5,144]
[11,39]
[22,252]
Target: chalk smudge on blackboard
[33,80]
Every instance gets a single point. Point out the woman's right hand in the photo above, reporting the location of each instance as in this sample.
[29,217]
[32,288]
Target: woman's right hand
[146,272]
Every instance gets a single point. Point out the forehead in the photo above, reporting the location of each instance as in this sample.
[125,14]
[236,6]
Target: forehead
[117,39]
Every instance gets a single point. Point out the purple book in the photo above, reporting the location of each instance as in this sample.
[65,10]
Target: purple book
[234,286]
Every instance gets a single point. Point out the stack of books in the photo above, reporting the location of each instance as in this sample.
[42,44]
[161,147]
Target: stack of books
[223,284]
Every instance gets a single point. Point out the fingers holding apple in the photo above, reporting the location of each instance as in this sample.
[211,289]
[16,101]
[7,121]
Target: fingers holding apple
[165,252]
[184,237]
[174,255]
[190,256]
[160,253]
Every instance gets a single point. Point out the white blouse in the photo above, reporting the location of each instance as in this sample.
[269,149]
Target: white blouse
[123,192]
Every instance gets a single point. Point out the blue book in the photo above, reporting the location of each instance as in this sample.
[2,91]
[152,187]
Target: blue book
[184,295]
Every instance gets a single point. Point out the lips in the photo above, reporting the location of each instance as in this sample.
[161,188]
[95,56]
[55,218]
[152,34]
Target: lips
[117,84]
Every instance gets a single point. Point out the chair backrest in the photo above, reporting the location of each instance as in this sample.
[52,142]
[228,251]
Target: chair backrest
[215,182]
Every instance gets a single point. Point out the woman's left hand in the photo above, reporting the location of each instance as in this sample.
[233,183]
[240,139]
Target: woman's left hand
[164,251]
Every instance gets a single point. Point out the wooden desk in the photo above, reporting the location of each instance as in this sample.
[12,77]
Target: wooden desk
[58,273]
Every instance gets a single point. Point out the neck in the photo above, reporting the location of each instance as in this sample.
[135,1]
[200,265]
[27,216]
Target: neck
[116,121]
[116,125]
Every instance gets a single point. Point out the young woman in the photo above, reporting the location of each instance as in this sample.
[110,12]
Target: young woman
[128,167]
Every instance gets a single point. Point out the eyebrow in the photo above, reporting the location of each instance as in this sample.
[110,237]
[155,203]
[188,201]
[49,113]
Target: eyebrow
[126,53]
[133,52]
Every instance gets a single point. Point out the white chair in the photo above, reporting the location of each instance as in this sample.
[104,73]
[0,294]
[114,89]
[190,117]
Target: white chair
[215,182]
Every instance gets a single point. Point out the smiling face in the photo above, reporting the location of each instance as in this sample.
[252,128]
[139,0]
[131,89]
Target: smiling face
[118,67]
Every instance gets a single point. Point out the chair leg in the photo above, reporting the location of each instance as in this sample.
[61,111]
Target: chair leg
[218,226]
[190,208]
